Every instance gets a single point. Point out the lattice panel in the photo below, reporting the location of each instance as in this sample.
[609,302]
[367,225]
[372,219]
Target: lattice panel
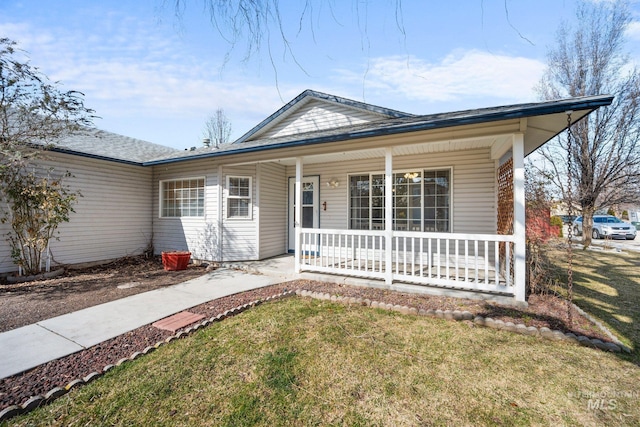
[505,208]
[505,198]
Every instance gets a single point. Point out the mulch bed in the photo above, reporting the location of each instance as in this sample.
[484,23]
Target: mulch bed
[30,302]
[548,311]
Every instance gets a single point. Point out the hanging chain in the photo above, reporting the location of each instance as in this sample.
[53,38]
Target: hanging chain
[570,212]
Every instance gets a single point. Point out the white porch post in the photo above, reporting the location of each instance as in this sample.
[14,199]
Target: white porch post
[297,221]
[388,214]
[519,218]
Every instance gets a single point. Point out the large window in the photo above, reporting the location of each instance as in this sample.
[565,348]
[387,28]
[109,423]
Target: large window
[437,200]
[367,202]
[421,201]
[182,197]
[407,201]
[239,197]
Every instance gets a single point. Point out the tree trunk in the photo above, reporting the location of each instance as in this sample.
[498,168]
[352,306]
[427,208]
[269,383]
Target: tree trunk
[587,225]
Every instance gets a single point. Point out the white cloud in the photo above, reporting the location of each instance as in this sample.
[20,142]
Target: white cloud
[460,75]
[633,30]
[131,69]
[139,73]
[142,80]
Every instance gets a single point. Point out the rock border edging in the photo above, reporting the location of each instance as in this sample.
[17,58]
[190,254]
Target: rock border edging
[38,400]
[616,347]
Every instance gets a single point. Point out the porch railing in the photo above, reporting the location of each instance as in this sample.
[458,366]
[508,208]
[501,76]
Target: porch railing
[479,262]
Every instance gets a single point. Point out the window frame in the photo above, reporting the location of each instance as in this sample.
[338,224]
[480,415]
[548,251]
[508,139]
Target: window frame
[449,169]
[422,207]
[371,206]
[229,197]
[162,199]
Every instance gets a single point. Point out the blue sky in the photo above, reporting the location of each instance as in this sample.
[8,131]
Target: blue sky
[154,76]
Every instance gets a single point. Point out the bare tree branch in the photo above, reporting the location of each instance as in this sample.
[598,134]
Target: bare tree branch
[217,128]
[589,60]
[34,112]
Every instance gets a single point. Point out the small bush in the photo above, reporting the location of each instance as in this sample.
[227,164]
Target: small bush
[556,221]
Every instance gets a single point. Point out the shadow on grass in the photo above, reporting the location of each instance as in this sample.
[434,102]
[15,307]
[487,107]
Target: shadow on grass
[607,286]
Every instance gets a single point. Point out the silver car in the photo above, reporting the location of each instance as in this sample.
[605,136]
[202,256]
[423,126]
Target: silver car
[607,226]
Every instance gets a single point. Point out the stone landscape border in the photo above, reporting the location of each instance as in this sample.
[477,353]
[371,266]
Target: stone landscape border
[56,392]
[457,315]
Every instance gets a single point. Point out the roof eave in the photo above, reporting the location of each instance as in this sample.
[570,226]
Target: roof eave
[95,156]
[588,103]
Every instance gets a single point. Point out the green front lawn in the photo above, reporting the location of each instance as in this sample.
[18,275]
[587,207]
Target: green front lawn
[305,362]
[607,286]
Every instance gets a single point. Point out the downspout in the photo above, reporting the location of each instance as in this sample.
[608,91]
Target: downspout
[153,211]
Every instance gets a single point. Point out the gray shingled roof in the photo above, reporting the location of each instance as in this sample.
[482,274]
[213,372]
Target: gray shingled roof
[105,145]
[110,146]
[395,126]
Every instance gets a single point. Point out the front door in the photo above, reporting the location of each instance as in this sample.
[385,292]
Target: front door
[310,206]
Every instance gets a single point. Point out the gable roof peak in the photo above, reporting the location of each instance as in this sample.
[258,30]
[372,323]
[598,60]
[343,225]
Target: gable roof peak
[309,95]
[391,113]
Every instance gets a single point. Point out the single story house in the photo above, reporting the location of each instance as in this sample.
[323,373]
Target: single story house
[435,200]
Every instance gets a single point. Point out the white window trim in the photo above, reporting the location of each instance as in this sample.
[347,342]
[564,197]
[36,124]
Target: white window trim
[228,197]
[161,195]
[402,171]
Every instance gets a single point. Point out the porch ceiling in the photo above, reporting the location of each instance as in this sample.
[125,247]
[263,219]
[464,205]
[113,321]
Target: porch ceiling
[402,150]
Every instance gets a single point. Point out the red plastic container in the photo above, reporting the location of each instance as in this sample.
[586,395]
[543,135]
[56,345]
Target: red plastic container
[175,260]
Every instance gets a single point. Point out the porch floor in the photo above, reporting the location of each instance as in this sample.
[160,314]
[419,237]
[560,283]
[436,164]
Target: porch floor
[283,267]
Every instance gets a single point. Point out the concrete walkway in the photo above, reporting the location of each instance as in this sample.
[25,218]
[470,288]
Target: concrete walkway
[29,346]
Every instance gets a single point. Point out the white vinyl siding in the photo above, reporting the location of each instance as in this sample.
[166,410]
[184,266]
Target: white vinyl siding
[319,115]
[473,179]
[240,236]
[112,219]
[199,235]
[272,209]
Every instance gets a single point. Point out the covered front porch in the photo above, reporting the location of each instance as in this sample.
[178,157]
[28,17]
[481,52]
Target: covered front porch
[397,251]
[431,201]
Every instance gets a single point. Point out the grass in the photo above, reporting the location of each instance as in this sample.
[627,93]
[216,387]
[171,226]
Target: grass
[607,286]
[306,362]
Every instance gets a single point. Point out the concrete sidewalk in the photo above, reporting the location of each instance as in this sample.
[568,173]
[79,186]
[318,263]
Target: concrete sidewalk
[29,346]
